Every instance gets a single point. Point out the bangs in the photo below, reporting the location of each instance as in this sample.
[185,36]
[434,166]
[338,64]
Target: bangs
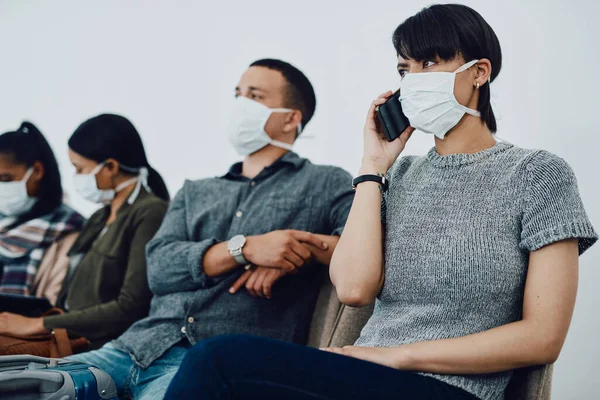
[427,35]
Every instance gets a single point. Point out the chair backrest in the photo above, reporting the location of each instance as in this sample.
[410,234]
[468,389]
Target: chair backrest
[335,324]
[338,325]
[533,383]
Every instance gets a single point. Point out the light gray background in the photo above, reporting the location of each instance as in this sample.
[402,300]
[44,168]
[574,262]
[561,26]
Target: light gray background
[171,67]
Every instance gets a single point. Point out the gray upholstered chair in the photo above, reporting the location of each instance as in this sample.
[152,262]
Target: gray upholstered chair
[335,324]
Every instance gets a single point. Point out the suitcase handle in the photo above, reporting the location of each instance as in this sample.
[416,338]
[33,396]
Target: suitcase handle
[9,363]
[40,382]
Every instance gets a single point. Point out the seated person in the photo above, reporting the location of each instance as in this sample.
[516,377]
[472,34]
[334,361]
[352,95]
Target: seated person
[106,289]
[265,224]
[36,228]
[473,268]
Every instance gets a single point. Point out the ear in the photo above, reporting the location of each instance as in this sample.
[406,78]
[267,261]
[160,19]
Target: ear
[483,72]
[292,122]
[112,166]
[38,171]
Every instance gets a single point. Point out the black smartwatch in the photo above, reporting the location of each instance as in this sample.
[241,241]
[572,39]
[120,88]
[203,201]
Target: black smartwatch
[379,178]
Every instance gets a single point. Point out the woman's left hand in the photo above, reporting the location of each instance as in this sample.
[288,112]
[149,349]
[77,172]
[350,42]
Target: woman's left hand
[377,355]
[19,326]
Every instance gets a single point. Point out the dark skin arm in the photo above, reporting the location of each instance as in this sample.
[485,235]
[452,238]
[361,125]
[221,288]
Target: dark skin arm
[259,281]
[287,250]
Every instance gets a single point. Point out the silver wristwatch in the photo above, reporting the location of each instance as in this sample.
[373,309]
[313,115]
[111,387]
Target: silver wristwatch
[235,246]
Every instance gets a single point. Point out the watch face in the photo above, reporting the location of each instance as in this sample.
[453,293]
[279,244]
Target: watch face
[236,242]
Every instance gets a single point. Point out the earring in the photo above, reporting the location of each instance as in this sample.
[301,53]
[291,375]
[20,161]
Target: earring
[477,85]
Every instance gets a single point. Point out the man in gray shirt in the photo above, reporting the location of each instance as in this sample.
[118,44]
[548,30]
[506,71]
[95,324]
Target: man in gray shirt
[269,225]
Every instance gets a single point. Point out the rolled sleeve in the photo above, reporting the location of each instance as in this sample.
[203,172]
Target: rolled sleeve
[174,260]
[196,258]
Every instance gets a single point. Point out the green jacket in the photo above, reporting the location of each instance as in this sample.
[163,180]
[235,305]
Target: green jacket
[107,291]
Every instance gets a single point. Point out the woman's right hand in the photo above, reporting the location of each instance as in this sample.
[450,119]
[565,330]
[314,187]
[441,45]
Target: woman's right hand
[18,326]
[379,154]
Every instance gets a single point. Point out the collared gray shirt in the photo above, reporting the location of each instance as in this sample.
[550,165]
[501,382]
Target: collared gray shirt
[188,305]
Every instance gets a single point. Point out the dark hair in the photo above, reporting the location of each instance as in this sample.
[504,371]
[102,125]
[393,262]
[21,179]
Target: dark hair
[26,146]
[112,136]
[449,30]
[300,93]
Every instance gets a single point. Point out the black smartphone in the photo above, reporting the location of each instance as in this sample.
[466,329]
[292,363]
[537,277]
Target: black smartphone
[391,118]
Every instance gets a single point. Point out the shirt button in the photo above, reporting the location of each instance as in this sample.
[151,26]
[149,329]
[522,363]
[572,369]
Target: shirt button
[183,330]
[191,320]
[252,183]
[239,214]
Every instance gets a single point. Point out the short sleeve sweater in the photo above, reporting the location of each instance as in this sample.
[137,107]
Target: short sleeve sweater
[458,233]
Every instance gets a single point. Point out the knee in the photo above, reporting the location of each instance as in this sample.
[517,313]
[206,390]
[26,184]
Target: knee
[218,348]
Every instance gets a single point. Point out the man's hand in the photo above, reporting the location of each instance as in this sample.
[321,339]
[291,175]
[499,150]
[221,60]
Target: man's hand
[19,326]
[281,249]
[259,281]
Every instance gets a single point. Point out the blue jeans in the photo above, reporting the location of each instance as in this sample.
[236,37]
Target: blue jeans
[246,367]
[131,380]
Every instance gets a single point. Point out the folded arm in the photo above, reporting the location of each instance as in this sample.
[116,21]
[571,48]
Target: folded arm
[259,281]
[285,249]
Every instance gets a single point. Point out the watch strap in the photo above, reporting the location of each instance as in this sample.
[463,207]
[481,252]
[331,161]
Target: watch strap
[238,256]
[379,178]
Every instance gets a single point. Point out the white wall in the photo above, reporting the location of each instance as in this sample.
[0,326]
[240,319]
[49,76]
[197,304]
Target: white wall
[171,67]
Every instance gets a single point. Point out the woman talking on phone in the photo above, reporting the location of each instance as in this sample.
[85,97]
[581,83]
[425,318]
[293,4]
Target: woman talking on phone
[473,265]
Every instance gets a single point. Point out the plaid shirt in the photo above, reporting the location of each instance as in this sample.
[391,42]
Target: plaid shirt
[23,245]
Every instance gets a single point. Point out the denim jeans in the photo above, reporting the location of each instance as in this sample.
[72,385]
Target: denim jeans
[246,367]
[132,381]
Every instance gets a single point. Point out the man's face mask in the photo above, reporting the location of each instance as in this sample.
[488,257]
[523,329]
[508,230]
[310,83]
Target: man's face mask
[246,130]
[429,103]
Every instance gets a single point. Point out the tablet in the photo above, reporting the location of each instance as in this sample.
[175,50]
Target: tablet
[24,305]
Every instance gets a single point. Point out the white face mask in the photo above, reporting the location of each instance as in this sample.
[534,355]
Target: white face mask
[428,101]
[14,200]
[87,187]
[246,128]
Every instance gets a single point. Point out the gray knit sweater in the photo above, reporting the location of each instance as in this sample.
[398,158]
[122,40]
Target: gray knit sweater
[459,230]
